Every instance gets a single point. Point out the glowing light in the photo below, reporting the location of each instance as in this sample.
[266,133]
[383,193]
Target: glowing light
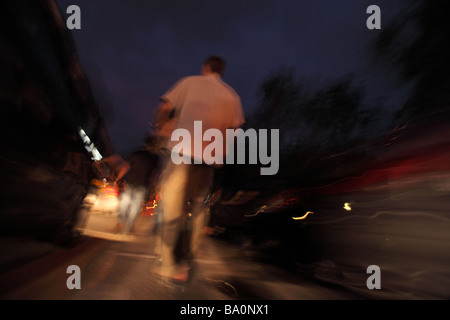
[347,206]
[110,192]
[304,216]
[152,206]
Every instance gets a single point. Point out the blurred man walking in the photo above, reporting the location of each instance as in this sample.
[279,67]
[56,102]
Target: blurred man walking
[206,98]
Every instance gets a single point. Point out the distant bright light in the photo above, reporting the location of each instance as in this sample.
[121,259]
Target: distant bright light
[304,216]
[347,206]
[152,206]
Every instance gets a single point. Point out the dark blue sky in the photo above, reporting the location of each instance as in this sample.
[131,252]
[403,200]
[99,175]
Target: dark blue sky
[134,50]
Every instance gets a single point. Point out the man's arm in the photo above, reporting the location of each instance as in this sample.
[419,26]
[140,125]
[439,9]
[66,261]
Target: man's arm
[122,170]
[165,121]
[164,111]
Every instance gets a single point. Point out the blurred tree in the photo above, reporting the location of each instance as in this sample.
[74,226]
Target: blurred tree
[333,113]
[329,117]
[280,101]
[417,45]
[313,123]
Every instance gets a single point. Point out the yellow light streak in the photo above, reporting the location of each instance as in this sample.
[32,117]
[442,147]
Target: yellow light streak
[304,216]
[154,205]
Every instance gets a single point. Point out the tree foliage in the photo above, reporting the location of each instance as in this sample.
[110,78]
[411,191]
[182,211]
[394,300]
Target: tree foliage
[331,117]
[417,46]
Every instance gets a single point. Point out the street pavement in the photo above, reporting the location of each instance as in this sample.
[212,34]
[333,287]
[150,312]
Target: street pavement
[125,269]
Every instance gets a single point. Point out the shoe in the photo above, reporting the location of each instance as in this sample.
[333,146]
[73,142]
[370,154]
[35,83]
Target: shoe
[180,275]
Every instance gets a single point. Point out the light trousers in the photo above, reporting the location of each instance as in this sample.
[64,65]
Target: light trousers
[183,187]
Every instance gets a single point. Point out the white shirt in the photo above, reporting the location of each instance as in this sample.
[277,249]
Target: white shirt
[208,99]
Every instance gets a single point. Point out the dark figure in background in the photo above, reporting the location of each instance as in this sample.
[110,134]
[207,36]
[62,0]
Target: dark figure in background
[113,168]
[141,180]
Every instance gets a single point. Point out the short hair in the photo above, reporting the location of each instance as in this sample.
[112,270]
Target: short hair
[216,64]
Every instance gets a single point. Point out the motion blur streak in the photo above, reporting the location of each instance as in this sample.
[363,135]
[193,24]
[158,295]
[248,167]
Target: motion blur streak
[404,225]
[380,147]
[304,216]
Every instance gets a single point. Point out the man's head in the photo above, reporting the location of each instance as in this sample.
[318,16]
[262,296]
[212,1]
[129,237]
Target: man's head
[214,64]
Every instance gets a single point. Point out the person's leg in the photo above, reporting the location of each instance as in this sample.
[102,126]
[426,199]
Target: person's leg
[200,183]
[137,198]
[173,197]
[124,205]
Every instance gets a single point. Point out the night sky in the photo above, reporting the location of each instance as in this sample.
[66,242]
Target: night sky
[134,50]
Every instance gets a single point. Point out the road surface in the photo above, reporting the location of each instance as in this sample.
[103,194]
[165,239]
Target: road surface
[126,270]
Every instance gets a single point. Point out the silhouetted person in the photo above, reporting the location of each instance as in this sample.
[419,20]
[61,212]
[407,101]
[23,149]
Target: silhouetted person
[185,186]
[140,180]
